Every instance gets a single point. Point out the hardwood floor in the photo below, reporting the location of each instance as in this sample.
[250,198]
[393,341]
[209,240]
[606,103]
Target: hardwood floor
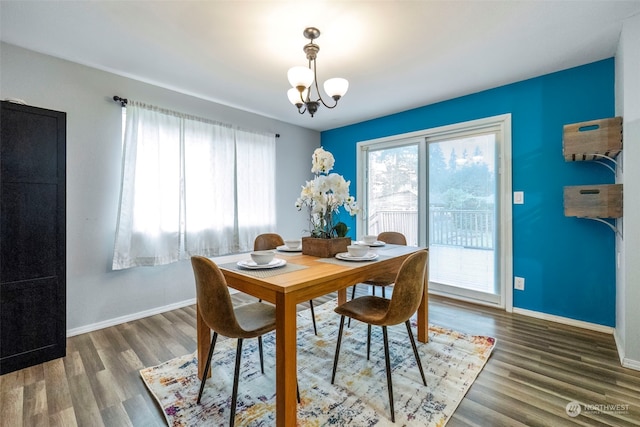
[536,368]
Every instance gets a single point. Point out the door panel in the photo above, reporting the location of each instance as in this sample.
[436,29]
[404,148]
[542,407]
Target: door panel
[392,193]
[462,216]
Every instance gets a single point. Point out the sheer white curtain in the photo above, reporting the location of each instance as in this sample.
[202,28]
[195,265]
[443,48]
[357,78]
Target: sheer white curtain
[256,183]
[190,187]
[209,189]
[148,230]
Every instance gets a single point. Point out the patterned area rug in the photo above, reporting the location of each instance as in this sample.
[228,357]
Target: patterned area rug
[359,397]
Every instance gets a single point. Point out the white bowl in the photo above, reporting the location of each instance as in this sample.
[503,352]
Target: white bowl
[358,250]
[369,238]
[293,243]
[262,257]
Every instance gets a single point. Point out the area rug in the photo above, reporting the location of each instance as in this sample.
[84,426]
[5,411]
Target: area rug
[359,397]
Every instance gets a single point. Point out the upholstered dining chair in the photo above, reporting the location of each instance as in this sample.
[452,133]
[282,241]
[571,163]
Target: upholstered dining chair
[217,310]
[268,241]
[392,238]
[373,310]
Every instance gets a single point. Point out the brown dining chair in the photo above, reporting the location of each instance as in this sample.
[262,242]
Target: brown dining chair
[373,310]
[392,238]
[217,310]
[268,241]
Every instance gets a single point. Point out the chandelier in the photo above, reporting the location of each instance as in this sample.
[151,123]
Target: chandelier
[301,78]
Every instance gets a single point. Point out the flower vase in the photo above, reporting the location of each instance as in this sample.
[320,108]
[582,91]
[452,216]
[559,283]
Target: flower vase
[324,248]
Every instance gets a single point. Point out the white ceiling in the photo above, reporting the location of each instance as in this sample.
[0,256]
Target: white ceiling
[397,55]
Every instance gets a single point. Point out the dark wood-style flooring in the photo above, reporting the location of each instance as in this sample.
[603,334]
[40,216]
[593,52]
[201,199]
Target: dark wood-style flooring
[536,368]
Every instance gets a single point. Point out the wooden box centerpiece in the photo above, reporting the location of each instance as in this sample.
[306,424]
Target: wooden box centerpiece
[324,248]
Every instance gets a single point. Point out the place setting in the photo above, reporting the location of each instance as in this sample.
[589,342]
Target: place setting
[291,245]
[261,260]
[371,241]
[357,252]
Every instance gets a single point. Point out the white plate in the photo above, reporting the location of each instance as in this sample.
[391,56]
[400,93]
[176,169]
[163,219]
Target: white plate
[346,256]
[285,248]
[373,245]
[249,263]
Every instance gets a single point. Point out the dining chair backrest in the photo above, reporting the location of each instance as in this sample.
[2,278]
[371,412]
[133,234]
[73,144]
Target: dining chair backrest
[408,289]
[393,238]
[214,300]
[267,241]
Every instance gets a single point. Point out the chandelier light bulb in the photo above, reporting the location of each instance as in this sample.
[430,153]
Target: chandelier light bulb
[300,77]
[294,96]
[336,87]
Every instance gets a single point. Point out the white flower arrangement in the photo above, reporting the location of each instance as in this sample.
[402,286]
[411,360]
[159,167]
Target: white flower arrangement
[324,195]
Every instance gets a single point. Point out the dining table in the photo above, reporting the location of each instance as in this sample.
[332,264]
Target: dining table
[301,278]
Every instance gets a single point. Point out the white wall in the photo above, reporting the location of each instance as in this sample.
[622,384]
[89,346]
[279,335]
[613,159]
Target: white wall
[627,332]
[97,296]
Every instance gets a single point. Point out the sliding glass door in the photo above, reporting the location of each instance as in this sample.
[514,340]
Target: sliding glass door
[449,189]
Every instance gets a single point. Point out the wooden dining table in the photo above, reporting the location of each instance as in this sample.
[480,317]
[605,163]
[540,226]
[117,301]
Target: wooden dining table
[304,277]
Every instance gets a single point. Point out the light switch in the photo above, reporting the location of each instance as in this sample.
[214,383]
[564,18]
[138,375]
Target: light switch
[518,197]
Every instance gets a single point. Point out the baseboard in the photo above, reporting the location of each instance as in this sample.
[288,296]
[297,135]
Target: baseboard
[128,318]
[565,320]
[631,364]
[619,346]
[625,362]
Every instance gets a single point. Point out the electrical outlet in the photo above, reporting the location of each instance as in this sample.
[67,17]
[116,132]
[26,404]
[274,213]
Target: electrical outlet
[518,283]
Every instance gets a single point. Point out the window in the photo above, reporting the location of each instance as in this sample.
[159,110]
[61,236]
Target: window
[190,187]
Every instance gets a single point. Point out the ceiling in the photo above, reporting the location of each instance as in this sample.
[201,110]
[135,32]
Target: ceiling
[397,55]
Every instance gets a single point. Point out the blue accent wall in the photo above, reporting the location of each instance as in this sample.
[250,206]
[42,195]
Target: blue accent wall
[568,263]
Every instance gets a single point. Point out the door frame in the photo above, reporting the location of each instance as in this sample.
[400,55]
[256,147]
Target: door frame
[504,172]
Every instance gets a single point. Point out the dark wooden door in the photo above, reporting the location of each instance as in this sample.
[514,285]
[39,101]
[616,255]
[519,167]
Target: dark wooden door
[32,244]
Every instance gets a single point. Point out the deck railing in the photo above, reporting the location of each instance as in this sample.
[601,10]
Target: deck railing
[450,227]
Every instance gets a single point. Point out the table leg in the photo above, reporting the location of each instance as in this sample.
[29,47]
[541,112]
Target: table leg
[286,361]
[423,310]
[203,338]
[342,296]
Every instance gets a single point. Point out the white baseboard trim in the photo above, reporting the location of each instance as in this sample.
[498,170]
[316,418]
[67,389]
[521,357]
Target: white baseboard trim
[128,318]
[565,320]
[624,361]
[631,364]
[619,345]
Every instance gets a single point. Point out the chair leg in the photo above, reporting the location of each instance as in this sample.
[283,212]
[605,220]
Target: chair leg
[261,354]
[353,295]
[206,367]
[415,351]
[383,295]
[335,360]
[388,364]
[234,395]
[368,339]
[313,317]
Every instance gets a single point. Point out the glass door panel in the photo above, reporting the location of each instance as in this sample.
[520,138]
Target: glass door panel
[392,191]
[462,216]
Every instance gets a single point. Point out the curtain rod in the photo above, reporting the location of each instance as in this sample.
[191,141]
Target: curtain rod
[123,102]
